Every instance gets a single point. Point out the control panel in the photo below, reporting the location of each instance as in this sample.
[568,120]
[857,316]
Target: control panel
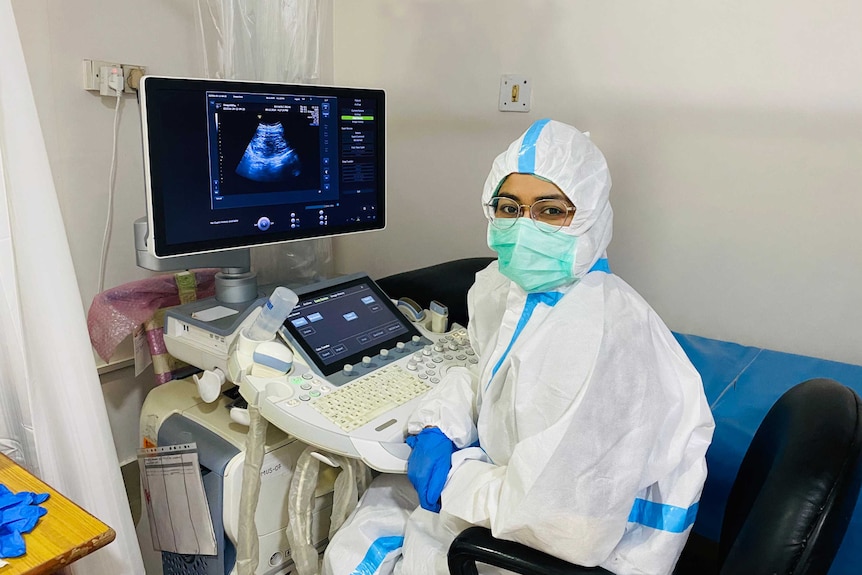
[361,411]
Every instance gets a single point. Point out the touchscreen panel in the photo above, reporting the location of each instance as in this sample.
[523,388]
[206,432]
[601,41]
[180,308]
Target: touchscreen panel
[341,322]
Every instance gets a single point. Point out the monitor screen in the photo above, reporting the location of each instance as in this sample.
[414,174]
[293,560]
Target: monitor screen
[342,320]
[232,164]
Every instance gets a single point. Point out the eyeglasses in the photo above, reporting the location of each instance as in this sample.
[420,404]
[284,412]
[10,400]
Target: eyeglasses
[504,212]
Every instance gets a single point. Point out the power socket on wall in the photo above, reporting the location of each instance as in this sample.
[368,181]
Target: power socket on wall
[93,71]
[515,93]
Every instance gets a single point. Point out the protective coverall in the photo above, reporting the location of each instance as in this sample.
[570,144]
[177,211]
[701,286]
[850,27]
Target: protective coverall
[593,422]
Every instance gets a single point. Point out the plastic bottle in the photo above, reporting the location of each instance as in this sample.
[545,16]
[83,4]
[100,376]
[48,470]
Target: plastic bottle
[272,315]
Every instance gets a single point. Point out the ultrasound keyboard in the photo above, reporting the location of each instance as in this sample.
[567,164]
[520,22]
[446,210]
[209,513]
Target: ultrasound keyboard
[353,406]
[360,368]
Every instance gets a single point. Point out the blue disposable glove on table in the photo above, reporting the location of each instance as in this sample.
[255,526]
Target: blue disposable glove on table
[19,513]
[428,465]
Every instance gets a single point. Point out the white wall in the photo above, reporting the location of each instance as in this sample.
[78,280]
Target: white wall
[733,131]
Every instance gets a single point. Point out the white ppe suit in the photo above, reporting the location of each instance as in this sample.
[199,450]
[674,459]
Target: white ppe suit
[593,422]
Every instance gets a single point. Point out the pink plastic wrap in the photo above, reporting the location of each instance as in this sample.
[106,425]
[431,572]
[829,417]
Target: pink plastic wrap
[115,313]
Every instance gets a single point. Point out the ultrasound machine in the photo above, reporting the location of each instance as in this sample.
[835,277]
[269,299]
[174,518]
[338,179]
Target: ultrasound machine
[230,165]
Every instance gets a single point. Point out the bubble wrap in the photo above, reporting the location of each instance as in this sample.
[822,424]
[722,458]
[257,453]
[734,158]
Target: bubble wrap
[116,312]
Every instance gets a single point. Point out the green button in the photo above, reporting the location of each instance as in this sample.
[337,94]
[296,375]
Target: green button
[296,380]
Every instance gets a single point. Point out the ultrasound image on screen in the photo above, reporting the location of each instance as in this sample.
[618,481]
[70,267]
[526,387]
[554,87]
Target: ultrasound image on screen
[264,153]
[268,157]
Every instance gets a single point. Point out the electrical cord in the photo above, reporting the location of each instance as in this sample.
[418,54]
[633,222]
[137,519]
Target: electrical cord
[106,238]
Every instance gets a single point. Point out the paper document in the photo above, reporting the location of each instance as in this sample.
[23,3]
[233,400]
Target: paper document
[180,520]
[214,313]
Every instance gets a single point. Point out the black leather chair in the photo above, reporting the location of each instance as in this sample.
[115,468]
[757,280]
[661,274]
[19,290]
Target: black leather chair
[787,511]
[446,283]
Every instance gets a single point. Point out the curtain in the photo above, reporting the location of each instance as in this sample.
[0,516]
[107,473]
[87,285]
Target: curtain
[53,419]
[272,41]
[268,40]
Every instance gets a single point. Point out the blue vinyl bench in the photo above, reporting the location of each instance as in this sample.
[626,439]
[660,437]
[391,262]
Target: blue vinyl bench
[741,384]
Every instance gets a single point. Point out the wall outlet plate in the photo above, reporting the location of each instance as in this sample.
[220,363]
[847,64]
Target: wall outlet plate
[92,70]
[515,93]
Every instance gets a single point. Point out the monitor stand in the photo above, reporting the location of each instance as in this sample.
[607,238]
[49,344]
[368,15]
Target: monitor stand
[234,284]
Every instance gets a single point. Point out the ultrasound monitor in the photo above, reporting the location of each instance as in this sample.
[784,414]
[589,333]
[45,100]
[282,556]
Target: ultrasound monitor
[232,164]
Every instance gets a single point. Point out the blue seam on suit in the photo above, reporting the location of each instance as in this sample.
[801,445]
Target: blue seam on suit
[662,516]
[374,557]
[549,298]
[601,266]
[527,152]
[533,299]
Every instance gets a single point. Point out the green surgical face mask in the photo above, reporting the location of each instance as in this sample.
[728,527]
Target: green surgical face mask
[535,260]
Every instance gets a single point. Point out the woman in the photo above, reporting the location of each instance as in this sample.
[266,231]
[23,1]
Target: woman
[592,425]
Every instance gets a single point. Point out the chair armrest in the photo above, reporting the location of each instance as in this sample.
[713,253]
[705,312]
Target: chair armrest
[476,544]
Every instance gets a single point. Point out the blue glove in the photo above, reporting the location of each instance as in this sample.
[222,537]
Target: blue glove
[19,513]
[429,464]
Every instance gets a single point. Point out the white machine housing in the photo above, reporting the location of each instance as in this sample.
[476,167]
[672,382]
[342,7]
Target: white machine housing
[179,398]
[409,345]
[203,333]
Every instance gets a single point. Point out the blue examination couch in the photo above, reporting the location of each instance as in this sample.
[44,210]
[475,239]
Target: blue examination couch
[741,385]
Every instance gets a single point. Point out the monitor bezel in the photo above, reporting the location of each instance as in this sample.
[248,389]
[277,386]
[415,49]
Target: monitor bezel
[154,173]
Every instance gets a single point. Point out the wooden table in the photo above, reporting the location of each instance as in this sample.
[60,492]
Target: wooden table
[66,533]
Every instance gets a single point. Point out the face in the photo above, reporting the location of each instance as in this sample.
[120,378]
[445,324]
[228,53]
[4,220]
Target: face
[526,190]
